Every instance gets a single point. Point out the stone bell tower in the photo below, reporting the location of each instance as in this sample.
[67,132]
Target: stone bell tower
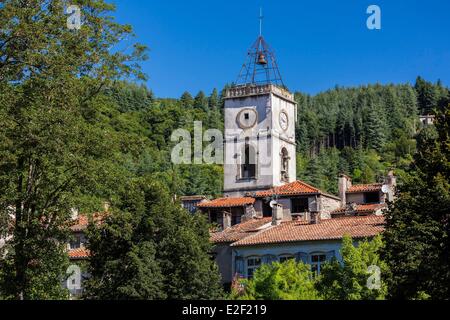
[260,117]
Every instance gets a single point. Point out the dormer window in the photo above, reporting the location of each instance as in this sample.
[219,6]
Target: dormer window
[299,206]
[372,197]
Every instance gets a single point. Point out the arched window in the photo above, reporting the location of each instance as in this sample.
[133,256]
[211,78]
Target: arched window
[284,165]
[248,166]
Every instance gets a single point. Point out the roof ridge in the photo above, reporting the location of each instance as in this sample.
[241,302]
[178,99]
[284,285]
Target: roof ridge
[308,185]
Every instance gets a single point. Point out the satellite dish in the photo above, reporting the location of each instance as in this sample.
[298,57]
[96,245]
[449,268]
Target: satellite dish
[385,188]
[273,204]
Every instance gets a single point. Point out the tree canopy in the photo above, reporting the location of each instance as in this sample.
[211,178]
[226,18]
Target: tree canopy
[417,235]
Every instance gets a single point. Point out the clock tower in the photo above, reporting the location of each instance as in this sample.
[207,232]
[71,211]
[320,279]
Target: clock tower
[260,117]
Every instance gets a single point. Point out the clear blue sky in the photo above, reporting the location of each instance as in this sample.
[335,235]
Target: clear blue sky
[198,45]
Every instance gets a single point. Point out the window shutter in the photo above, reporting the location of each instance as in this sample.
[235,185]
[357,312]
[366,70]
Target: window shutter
[239,265]
[269,258]
[302,257]
[330,255]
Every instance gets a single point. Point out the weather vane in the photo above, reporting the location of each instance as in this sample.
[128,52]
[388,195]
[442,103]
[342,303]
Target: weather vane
[261,17]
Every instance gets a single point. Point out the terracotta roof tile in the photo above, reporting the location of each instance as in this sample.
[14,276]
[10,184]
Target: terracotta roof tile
[240,231]
[290,189]
[361,208]
[81,253]
[365,188]
[331,229]
[82,222]
[226,203]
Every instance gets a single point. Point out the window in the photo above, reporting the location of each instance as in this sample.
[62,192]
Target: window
[317,260]
[236,218]
[252,265]
[248,166]
[299,205]
[75,243]
[285,258]
[213,218]
[372,197]
[246,116]
[190,206]
[267,210]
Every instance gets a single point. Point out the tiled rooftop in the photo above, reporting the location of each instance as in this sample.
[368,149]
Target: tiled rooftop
[290,189]
[81,253]
[374,187]
[226,203]
[331,229]
[361,208]
[240,231]
[82,221]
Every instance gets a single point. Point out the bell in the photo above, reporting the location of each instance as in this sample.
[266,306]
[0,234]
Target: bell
[262,59]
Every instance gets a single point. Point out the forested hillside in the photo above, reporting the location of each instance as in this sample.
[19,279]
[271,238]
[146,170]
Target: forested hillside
[134,112]
[359,131]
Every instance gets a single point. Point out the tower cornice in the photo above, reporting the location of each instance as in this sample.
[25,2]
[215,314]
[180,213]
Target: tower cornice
[250,90]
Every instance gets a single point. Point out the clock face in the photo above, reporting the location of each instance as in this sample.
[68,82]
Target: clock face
[284,120]
[247,118]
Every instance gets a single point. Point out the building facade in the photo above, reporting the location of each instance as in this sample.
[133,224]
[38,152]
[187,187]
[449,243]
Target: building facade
[266,214]
[259,138]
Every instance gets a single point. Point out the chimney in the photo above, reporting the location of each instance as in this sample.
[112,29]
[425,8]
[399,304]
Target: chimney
[74,214]
[345,182]
[226,220]
[277,214]
[391,182]
[391,179]
[314,217]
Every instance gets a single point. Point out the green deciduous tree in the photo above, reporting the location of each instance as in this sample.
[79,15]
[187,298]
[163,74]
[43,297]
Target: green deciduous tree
[51,150]
[349,279]
[280,281]
[151,249]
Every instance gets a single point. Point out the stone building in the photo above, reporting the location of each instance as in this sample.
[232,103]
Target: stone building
[266,214]
[303,223]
